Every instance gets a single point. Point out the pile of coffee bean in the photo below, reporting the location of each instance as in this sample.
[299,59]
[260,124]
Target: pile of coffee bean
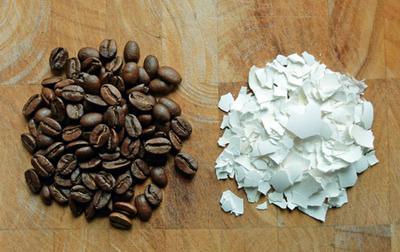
[99,127]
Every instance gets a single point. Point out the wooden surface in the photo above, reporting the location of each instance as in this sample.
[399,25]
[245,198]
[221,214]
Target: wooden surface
[212,43]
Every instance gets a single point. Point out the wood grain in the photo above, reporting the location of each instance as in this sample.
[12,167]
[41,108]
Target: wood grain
[212,43]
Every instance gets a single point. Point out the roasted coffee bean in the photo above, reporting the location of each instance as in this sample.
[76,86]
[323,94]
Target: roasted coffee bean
[33,104]
[51,81]
[58,195]
[90,212]
[76,208]
[99,135]
[73,93]
[110,156]
[90,83]
[120,221]
[33,128]
[158,176]
[113,141]
[148,131]
[110,94]
[159,87]
[73,68]
[91,65]
[173,107]
[50,127]
[76,177]
[142,88]
[105,76]
[42,113]
[43,167]
[114,66]
[161,113]
[186,164]
[176,142]
[105,181]
[85,152]
[101,199]
[81,194]
[88,179]
[118,82]
[116,165]
[63,83]
[157,146]
[144,78]
[90,164]
[90,120]
[44,141]
[62,182]
[108,49]
[160,134]
[143,208]
[169,75]
[153,194]
[95,100]
[130,148]
[181,127]
[67,164]
[58,58]
[123,183]
[145,119]
[133,126]
[115,116]
[45,195]
[55,150]
[150,64]
[126,208]
[29,142]
[72,146]
[75,111]
[71,133]
[130,73]
[87,52]
[131,52]
[33,181]
[48,95]
[126,197]
[57,109]
[141,102]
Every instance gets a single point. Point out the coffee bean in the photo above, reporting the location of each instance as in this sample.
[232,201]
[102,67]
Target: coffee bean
[73,93]
[176,142]
[113,141]
[76,177]
[130,73]
[153,194]
[29,142]
[161,113]
[48,95]
[51,81]
[120,221]
[118,82]
[95,100]
[144,78]
[140,170]
[115,116]
[150,64]
[44,141]
[72,146]
[74,111]
[148,131]
[169,75]
[33,104]
[114,66]
[104,75]
[101,199]
[90,83]
[91,65]
[108,49]
[43,167]
[87,52]
[90,120]
[55,150]
[186,164]
[50,127]
[73,68]
[110,156]
[145,119]
[132,126]
[159,87]
[67,164]
[143,208]
[99,135]
[130,148]
[181,127]
[141,88]
[76,208]
[123,183]
[158,176]
[32,127]
[125,208]
[85,152]
[41,113]
[173,107]
[58,195]
[157,146]
[71,133]
[141,101]
[57,109]
[62,182]
[116,165]
[90,212]
[33,181]
[58,58]
[131,52]
[81,194]
[105,181]
[88,179]
[90,164]
[45,195]
[110,94]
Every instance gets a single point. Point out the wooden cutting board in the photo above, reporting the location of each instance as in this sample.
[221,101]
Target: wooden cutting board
[213,44]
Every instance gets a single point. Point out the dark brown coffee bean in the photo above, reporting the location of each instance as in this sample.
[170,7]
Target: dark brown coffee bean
[141,101]
[57,109]
[44,141]
[58,58]
[95,100]
[81,194]
[181,127]
[113,141]
[62,182]
[142,88]
[145,119]
[158,176]
[85,152]
[76,208]
[176,142]
[67,164]
[75,111]
[169,75]
[58,195]
[41,113]
[45,195]
[159,87]
[90,212]
[123,183]
[143,208]
[101,199]
[51,81]
[33,128]
[72,146]
[120,221]
[91,65]
[108,49]
[116,165]
[73,93]
[33,104]
[173,107]
[118,82]
[151,65]
[71,133]
[73,68]
[33,181]
[148,132]
[186,164]
[105,76]
[153,194]
[130,148]
[43,167]
[133,126]
[76,177]
[130,73]
[90,164]
[50,127]
[92,119]
[110,94]
[48,95]
[105,181]
[99,135]
[160,134]
[144,78]
[88,179]
[29,142]
[161,113]
[131,52]
[115,65]
[87,52]
[110,156]
[140,170]
[157,146]
[90,83]
[126,208]
[55,150]
[115,116]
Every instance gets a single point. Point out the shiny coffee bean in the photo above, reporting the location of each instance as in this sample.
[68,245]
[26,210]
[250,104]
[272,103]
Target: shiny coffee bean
[33,181]
[161,113]
[143,208]
[74,111]
[90,164]
[71,133]
[48,95]
[85,152]
[95,100]
[118,82]
[140,170]
[157,146]
[72,146]
[158,176]
[151,65]
[141,88]
[181,127]
[120,221]
[101,199]
[153,194]
[99,135]
[110,94]
[116,165]
[55,150]
[57,109]
[90,83]
[114,66]
[132,126]
[29,142]
[169,75]
[108,49]
[186,164]
[51,81]
[130,148]
[173,107]
[88,179]
[141,102]
[41,113]
[59,196]
[44,141]
[33,104]
[115,116]
[73,68]
[62,182]
[92,119]
[58,58]
[50,127]
[87,52]
[42,166]
[144,78]
[67,164]
[148,132]
[105,181]
[63,83]
[45,195]
[106,156]
[91,65]
[73,93]
[126,208]
[176,142]
[145,119]
[81,194]
[131,52]
[76,177]
[123,183]
[113,141]
[159,87]
[130,73]
[33,128]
